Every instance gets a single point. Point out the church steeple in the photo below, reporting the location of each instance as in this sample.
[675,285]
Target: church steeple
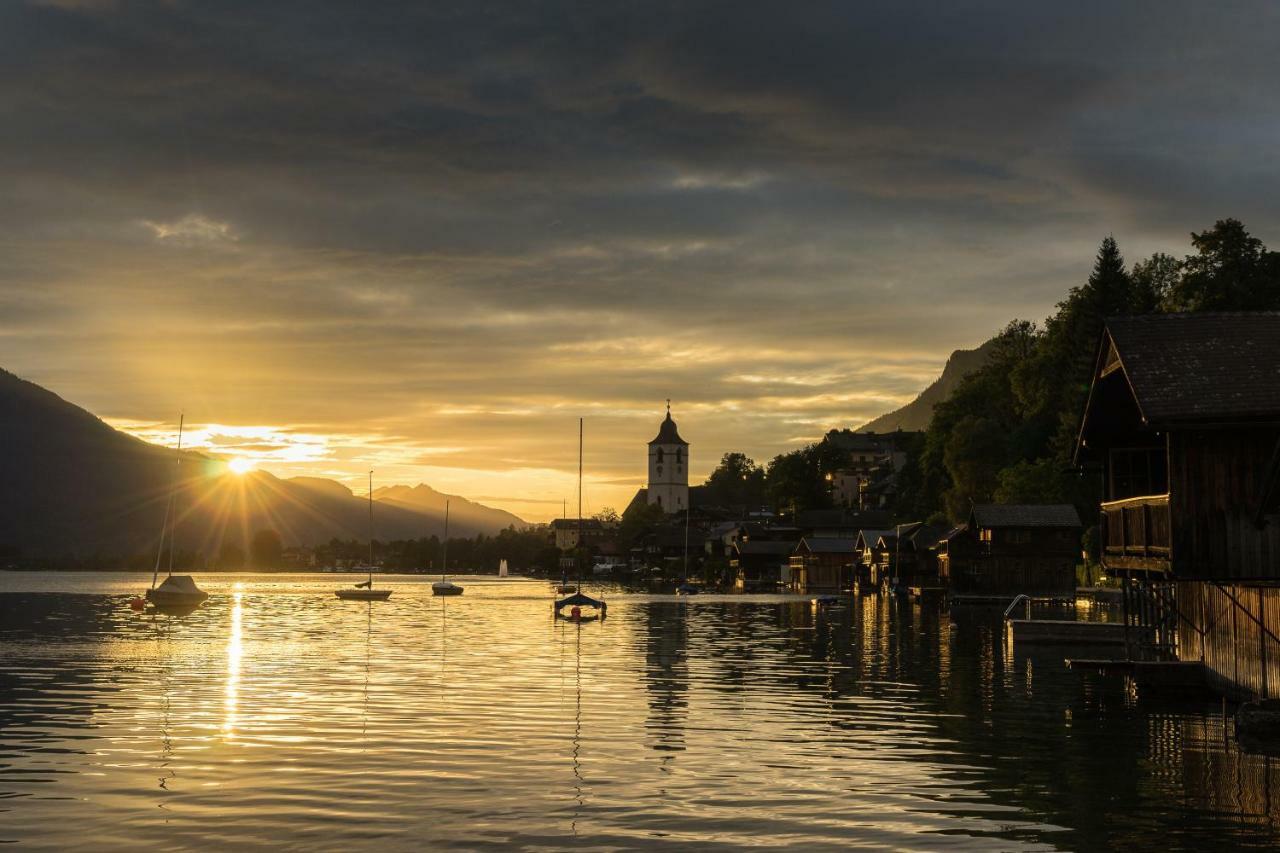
[669,467]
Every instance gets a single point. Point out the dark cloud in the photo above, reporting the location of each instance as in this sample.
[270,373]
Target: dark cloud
[785,215]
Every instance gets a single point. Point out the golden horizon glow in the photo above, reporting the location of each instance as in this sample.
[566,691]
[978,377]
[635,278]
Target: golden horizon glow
[240,465]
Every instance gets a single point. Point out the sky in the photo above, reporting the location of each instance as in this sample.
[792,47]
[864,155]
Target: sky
[427,238]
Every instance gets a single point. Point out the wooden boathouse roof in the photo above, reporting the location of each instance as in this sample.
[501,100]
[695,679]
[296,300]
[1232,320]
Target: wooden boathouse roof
[1026,515]
[1203,368]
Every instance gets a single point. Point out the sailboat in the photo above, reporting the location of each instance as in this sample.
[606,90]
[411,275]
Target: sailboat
[578,600]
[502,568]
[444,586]
[176,592]
[365,591]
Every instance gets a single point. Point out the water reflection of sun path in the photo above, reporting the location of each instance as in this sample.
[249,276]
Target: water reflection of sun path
[235,650]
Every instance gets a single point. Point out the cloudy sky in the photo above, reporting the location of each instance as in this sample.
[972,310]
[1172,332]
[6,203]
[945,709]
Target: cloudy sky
[428,238]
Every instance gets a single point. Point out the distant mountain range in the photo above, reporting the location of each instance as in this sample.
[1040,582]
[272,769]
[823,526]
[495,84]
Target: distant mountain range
[917,414]
[72,485]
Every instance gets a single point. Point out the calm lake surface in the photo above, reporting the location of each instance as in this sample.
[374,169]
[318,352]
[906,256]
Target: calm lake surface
[279,716]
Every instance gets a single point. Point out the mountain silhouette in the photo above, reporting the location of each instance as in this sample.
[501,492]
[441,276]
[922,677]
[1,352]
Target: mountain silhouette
[70,485]
[917,414]
[462,512]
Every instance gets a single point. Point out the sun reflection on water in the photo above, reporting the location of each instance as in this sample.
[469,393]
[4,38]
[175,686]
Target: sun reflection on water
[235,649]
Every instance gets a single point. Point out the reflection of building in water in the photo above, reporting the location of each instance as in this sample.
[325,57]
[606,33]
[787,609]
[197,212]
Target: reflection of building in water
[666,674]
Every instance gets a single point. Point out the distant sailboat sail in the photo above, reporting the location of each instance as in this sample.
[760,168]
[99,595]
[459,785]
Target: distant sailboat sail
[502,569]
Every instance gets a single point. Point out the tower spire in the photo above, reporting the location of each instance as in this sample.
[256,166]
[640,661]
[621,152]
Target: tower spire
[668,407]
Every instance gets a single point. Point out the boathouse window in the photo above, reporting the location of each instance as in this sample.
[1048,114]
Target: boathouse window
[1138,471]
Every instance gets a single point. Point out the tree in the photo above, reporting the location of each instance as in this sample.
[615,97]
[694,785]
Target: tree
[794,481]
[607,515]
[736,482]
[265,549]
[638,521]
[230,556]
[1154,280]
[1024,482]
[1230,271]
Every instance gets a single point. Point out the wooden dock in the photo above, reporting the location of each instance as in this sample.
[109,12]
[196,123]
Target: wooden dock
[1163,676]
[1067,632]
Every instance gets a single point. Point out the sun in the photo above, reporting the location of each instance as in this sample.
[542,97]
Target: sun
[240,466]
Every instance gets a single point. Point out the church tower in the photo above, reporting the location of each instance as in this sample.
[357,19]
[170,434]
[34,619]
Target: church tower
[669,468]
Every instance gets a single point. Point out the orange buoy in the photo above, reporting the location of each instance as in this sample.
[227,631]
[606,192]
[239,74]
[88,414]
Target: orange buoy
[137,603]
[576,613]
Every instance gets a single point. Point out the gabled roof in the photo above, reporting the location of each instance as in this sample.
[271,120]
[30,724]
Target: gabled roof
[868,538]
[572,524]
[1200,368]
[827,545]
[923,535]
[668,434]
[1025,515]
[764,547]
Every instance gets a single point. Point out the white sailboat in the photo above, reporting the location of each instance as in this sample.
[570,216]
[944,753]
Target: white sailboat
[365,591]
[444,586]
[176,591]
[502,568]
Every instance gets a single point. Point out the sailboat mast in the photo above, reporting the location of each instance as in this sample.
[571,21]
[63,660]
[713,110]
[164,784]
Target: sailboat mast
[686,544]
[444,570]
[177,479]
[580,543]
[371,528]
[168,508]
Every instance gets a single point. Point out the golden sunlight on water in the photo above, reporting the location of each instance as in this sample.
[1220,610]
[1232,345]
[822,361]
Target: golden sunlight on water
[278,716]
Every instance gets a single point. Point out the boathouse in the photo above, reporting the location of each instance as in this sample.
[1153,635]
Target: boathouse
[1006,550]
[1183,426]
[867,572]
[823,564]
[761,565]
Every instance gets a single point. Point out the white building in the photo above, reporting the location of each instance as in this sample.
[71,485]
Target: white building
[669,468]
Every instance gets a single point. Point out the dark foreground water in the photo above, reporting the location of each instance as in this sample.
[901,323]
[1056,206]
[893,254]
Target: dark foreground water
[278,716]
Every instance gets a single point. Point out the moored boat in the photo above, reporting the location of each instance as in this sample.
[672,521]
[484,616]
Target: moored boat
[444,586]
[176,592]
[364,591]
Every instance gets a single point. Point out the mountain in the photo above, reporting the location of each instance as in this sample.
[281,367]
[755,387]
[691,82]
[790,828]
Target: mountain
[424,499]
[72,485]
[917,414]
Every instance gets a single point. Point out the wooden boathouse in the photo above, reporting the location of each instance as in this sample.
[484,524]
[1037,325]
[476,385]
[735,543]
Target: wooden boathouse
[823,564]
[1006,550]
[1183,425]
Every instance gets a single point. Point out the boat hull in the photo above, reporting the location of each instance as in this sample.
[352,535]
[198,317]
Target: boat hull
[363,594]
[446,589]
[177,591]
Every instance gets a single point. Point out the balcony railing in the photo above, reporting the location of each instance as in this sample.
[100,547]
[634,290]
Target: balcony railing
[1136,530]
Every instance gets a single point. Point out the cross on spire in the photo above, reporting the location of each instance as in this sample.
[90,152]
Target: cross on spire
[668,407]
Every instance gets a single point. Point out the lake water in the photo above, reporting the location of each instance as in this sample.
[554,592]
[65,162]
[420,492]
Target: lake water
[277,716]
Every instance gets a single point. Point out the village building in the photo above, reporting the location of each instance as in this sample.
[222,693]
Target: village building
[564,532]
[904,556]
[869,480]
[823,565]
[1005,550]
[1183,424]
[866,573]
[761,565]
